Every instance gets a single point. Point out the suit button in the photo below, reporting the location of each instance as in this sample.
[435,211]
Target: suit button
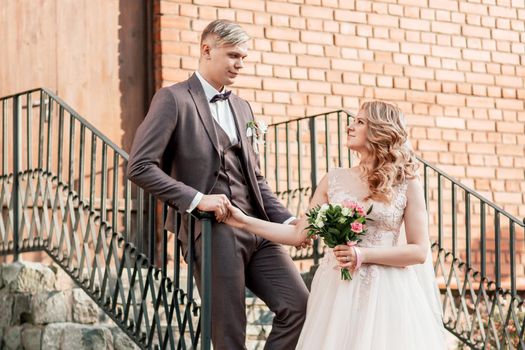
[216,173]
[231,182]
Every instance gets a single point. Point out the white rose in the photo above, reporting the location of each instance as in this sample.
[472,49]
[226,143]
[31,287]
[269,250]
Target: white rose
[345,211]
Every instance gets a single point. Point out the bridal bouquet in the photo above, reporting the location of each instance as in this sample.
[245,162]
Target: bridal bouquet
[338,224]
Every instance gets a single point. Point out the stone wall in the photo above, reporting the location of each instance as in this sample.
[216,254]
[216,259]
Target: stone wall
[42,309]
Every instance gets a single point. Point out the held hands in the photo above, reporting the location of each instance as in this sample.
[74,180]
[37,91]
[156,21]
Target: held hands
[218,203]
[236,218]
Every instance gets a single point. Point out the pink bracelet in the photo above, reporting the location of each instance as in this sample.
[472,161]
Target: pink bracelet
[358,257]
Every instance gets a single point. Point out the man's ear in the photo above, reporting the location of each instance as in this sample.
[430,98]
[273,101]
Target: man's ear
[205,51]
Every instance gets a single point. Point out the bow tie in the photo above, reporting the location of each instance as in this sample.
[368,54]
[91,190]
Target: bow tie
[221,97]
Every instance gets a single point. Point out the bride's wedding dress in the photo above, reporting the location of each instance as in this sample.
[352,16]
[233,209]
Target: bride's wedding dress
[381,308]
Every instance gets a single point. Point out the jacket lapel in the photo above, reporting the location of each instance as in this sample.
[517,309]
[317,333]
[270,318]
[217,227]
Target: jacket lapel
[240,123]
[203,109]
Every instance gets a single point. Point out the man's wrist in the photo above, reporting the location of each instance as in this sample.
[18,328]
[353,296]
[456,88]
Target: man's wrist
[195,202]
[292,220]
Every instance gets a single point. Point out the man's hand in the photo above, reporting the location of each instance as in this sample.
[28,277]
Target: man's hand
[218,203]
[307,243]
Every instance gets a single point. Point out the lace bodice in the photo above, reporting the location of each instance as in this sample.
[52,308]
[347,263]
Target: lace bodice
[345,184]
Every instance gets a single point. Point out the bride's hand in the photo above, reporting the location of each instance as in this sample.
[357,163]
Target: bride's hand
[345,255]
[236,218]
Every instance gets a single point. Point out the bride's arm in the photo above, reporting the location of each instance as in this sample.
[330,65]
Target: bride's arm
[285,234]
[416,226]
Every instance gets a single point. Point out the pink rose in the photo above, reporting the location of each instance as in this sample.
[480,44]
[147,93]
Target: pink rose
[360,210]
[349,204]
[357,227]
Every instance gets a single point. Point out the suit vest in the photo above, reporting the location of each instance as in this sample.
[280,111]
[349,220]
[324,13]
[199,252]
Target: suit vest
[231,179]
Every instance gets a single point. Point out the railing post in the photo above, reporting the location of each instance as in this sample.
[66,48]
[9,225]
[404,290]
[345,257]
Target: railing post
[206,281]
[17,139]
[313,177]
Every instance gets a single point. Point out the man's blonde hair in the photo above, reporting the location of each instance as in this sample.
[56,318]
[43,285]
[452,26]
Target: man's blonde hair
[226,33]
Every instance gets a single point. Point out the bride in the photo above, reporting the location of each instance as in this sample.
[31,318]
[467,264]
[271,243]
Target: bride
[392,301]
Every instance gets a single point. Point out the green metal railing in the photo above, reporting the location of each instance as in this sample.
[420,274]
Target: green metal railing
[477,246]
[63,191]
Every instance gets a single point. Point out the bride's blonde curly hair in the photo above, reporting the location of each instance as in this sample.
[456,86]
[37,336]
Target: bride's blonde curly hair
[389,148]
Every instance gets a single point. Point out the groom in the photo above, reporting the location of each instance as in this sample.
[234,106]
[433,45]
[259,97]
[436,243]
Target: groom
[192,151]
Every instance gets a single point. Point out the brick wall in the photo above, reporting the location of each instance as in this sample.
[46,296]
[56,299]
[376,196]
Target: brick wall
[455,67]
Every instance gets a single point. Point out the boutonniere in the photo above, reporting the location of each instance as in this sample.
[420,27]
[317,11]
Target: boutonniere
[256,130]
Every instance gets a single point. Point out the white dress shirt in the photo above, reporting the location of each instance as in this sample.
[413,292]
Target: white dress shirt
[223,115]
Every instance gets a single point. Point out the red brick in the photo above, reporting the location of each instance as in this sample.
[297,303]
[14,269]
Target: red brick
[383,45]
[421,49]
[506,58]
[373,67]
[263,96]
[475,31]
[383,20]
[476,55]
[414,24]
[467,7]
[281,33]
[347,65]
[433,145]
[479,78]
[368,79]
[282,8]
[511,127]
[502,197]
[480,172]
[317,12]
[417,96]
[417,84]
[511,150]
[253,5]
[509,104]
[445,27]
[449,75]
[444,51]
[510,174]
[450,123]
[313,62]
[282,72]
[498,11]
[279,59]
[350,41]
[280,47]
[279,84]
[444,4]
[480,148]
[350,16]
[317,37]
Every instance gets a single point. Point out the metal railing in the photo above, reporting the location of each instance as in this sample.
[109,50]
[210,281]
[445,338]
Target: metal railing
[63,191]
[478,248]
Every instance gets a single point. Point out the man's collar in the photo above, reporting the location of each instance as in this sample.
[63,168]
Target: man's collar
[209,90]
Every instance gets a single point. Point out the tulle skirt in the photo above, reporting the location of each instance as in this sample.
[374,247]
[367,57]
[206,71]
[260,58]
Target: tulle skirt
[380,308]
